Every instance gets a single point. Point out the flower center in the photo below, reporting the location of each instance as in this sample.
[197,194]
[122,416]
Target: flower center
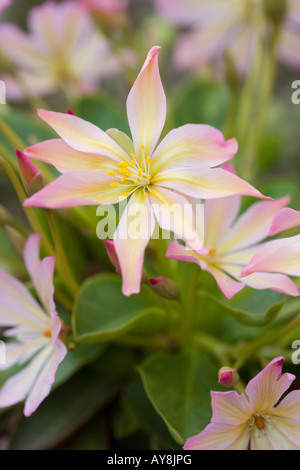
[47,333]
[133,175]
[259,422]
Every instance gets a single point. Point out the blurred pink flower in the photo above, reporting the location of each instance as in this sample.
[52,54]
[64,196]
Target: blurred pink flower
[232,242]
[105,167]
[255,416]
[35,330]
[63,51]
[105,7]
[235,26]
[4,4]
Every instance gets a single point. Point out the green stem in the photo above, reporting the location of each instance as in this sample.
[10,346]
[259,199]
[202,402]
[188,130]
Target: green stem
[63,264]
[10,134]
[187,303]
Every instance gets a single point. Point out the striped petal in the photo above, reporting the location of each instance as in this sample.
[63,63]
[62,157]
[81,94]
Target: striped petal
[77,189]
[191,145]
[219,213]
[254,225]
[267,387]
[130,240]
[66,159]
[83,136]
[220,437]
[146,105]
[205,183]
[277,256]
[230,408]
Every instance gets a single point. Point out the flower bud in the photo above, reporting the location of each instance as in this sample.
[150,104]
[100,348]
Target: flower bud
[112,254]
[228,377]
[165,287]
[32,177]
[275,10]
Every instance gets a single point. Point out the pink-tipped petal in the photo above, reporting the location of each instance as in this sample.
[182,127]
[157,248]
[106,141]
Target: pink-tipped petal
[82,135]
[179,252]
[220,437]
[66,159]
[276,256]
[219,213]
[285,219]
[267,387]
[146,105]
[130,240]
[205,183]
[226,284]
[77,189]
[192,145]
[273,281]
[111,251]
[253,225]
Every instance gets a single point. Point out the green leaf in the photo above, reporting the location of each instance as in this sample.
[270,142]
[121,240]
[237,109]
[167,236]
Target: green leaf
[101,312]
[251,300]
[178,387]
[65,410]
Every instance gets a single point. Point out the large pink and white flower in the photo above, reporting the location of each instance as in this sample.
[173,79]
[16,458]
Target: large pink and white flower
[231,242]
[63,51]
[254,417]
[234,26]
[105,167]
[34,328]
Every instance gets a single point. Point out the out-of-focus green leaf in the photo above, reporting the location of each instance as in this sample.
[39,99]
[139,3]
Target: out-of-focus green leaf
[201,102]
[138,407]
[178,386]
[65,410]
[101,312]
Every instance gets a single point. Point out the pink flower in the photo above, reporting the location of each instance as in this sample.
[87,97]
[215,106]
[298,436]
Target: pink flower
[63,51]
[105,167]
[232,242]
[105,7]
[254,417]
[35,329]
[4,4]
[234,26]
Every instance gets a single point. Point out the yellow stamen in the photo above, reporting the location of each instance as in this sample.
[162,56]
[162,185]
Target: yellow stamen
[111,173]
[140,172]
[125,194]
[145,195]
[149,177]
[114,185]
[125,164]
[123,178]
[142,147]
[132,156]
[136,180]
[148,160]
[47,333]
[259,422]
[123,171]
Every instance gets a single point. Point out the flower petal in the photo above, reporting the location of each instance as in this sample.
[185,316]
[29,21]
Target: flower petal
[146,105]
[254,225]
[175,214]
[267,387]
[277,256]
[130,240]
[283,434]
[220,437]
[219,215]
[285,219]
[289,407]
[45,380]
[181,253]
[82,135]
[205,183]
[277,282]
[66,159]
[77,189]
[191,145]
[230,408]
[226,284]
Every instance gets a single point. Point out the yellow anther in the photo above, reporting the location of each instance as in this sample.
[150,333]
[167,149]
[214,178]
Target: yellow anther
[114,185]
[123,178]
[132,163]
[142,147]
[149,177]
[145,195]
[153,194]
[140,172]
[136,180]
[132,156]
[148,160]
[125,194]
[125,164]
[123,171]
[111,173]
